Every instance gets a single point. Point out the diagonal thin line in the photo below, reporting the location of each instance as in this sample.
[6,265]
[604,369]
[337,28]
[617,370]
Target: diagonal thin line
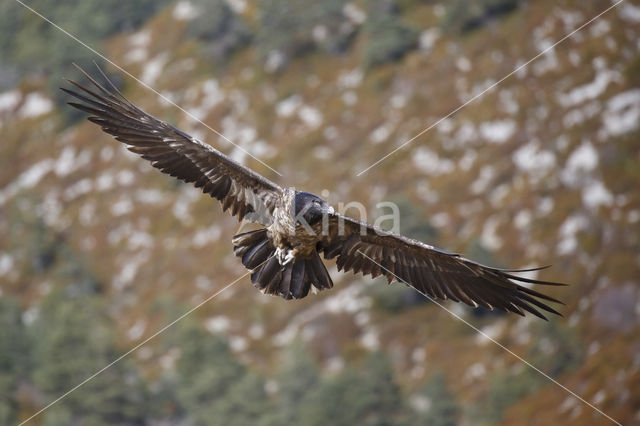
[496,342]
[490,87]
[55,401]
[163,97]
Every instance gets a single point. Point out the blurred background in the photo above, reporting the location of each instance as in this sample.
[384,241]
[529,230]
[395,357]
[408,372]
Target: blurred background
[98,250]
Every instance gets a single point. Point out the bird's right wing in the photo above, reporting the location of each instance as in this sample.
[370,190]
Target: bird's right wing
[246,193]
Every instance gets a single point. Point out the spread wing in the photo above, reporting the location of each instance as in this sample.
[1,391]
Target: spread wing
[362,247]
[238,188]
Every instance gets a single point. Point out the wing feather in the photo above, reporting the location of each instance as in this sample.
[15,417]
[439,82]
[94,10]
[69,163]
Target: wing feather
[238,188]
[361,247]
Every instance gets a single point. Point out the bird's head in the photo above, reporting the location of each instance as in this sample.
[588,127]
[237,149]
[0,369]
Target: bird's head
[310,208]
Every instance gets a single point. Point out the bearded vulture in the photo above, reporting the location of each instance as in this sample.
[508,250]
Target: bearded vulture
[284,255]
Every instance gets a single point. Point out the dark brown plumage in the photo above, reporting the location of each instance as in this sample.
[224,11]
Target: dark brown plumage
[284,256]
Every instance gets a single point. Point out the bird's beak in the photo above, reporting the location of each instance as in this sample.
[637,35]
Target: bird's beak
[331,210]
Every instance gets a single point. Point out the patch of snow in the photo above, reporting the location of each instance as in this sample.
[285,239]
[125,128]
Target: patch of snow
[139,239]
[467,160]
[217,324]
[125,177]
[288,106]
[286,336]
[629,12]
[369,340]
[206,236]
[580,115]
[382,133]
[137,330]
[6,263]
[429,162]
[465,134]
[354,13]
[507,102]
[588,91]
[238,343]
[498,131]
[9,100]
[212,95]
[240,133]
[599,28]
[533,160]
[595,194]
[35,104]
[27,179]
[492,331]
[420,403]
[522,219]
[445,126]
[428,38]
[482,182]
[349,98]
[121,207]
[256,331]
[87,213]
[489,237]
[440,220]
[275,60]
[622,114]
[140,38]
[463,64]
[83,186]
[545,206]
[238,6]
[136,54]
[310,116]
[184,10]
[150,196]
[347,300]
[568,230]
[581,162]
[203,283]
[129,270]
[350,79]
[475,371]
[154,68]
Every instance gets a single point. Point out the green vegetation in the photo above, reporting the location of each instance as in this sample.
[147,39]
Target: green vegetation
[463,15]
[74,339]
[15,359]
[29,46]
[221,30]
[442,408]
[293,29]
[388,38]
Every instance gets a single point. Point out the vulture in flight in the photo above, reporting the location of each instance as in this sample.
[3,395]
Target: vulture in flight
[284,255]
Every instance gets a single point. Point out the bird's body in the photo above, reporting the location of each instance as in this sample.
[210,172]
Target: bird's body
[284,256]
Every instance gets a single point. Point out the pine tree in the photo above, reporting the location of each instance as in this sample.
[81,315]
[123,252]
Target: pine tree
[442,408]
[368,396]
[74,340]
[296,380]
[15,356]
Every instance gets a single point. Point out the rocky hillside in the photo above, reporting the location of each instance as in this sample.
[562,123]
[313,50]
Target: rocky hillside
[543,168]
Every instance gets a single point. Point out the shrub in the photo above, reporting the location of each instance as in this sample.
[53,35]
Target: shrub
[292,29]
[221,30]
[462,15]
[388,38]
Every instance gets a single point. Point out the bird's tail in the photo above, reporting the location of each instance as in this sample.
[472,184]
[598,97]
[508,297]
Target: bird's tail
[290,281]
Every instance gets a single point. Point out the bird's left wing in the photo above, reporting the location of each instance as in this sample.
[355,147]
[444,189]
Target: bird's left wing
[246,193]
[362,247]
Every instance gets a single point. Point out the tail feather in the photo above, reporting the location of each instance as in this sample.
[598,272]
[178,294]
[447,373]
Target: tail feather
[290,281]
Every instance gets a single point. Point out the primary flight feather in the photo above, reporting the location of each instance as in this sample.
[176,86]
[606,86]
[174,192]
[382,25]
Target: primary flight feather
[284,256]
